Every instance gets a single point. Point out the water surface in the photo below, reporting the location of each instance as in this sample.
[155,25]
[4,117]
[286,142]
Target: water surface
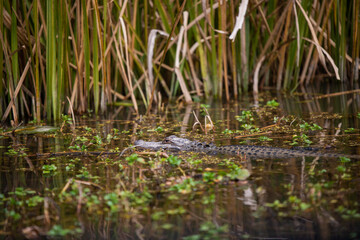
[191,195]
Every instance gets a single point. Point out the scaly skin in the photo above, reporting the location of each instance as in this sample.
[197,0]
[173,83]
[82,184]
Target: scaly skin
[174,143]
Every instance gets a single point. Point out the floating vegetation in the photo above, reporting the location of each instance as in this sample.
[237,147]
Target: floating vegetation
[78,181]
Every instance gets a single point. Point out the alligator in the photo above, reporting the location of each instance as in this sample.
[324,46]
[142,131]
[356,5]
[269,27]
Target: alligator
[176,144]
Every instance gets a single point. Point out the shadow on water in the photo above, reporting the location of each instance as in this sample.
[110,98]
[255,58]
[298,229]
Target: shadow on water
[149,195]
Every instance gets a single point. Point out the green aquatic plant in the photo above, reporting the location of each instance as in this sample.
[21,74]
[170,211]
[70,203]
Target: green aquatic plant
[265,139]
[82,139]
[301,139]
[12,152]
[228,131]
[236,171]
[247,126]
[70,167]
[209,176]
[204,109]
[34,201]
[349,130]
[176,211]
[133,158]
[272,103]
[82,147]
[344,159]
[194,161]
[159,129]
[49,169]
[238,174]
[246,116]
[19,151]
[347,214]
[59,231]
[84,173]
[112,201]
[97,140]
[12,214]
[341,168]
[293,202]
[158,215]
[208,230]
[88,129]
[307,126]
[66,119]
[22,192]
[208,199]
[93,202]
[174,160]
[186,186]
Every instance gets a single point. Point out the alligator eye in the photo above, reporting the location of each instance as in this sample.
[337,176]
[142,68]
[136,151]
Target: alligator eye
[166,141]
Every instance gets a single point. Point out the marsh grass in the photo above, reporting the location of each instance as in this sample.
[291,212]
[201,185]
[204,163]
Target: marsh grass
[99,52]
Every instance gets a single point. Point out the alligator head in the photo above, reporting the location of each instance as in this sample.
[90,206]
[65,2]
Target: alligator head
[156,146]
[174,143]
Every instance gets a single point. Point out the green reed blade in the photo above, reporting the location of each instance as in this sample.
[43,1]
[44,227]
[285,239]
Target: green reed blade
[356,41]
[1,61]
[237,59]
[202,57]
[104,72]
[292,69]
[213,55]
[146,23]
[343,40]
[87,49]
[51,97]
[37,49]
[233,52]
[245,43]
[220,51]
[164,19]
[96,63]
[14,49]
[62,42]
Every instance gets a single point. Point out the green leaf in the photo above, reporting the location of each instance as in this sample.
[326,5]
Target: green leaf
[272,103]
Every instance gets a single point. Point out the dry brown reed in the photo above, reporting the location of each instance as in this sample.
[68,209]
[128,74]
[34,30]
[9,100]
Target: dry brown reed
[98,53]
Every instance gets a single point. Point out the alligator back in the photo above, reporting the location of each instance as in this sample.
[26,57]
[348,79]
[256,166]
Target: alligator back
[174,143]
[253,151]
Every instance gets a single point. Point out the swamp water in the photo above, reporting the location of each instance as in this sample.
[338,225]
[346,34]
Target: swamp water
[148,195]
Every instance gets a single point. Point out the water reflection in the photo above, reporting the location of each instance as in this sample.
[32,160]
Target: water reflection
[105,197]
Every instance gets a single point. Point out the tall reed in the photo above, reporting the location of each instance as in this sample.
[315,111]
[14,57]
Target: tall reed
[88,54]
[2,87]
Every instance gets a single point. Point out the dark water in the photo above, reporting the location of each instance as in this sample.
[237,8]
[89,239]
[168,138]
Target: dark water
[150,197]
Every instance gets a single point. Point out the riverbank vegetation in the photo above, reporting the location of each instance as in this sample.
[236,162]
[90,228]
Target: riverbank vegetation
[74,56]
